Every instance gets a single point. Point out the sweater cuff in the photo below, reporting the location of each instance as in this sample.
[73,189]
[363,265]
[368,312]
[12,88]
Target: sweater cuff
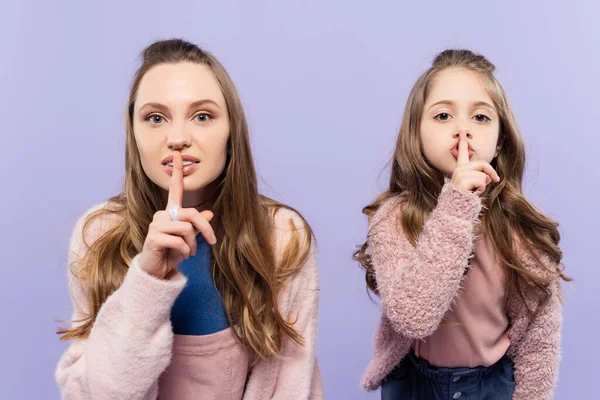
[150,299]
[459,203]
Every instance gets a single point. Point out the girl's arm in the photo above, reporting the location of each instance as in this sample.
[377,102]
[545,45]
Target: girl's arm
[418,284]
[536,356]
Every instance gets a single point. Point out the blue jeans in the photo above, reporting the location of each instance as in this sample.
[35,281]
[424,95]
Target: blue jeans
[416,379]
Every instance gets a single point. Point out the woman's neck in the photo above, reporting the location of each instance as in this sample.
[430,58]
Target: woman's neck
[201,200]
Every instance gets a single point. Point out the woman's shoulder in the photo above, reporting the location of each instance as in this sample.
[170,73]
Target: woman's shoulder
[294,246]
[284,218]
[294,249]
[286,224]
[92,224]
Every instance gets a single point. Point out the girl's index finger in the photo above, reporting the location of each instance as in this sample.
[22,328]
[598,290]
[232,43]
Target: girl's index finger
[463,149]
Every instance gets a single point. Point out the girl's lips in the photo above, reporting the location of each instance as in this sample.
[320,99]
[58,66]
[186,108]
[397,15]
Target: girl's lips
[455,153]
[454,150]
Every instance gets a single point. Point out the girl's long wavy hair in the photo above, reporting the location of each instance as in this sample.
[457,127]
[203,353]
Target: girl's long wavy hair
[507,211]
[245,267]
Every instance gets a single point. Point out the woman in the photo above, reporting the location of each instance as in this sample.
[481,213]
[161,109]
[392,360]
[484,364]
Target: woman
[190,284]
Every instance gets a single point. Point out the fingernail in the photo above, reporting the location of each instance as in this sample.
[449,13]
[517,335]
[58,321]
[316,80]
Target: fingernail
[213,239]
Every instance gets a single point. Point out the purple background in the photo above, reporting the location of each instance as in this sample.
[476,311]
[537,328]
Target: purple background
[324,86]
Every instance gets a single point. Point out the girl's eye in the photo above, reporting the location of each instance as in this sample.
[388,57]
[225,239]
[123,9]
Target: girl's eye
[442,117]
[203,117]
[481,118]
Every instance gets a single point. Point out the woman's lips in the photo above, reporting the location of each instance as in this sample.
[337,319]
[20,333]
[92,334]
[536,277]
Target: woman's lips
[187,169]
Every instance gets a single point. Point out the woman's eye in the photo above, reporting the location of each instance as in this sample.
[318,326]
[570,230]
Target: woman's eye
[481,118]
[155,119]
[203,117]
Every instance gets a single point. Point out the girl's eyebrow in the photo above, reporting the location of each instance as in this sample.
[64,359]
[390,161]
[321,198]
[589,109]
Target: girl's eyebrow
[475,104]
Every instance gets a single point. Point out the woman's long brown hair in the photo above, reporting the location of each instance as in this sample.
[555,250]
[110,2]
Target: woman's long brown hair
[245,267]
[507,211]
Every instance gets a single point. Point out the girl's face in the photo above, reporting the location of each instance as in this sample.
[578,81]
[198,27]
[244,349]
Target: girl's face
[180,107]
[458,101]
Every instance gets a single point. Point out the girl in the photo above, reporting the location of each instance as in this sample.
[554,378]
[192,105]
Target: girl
[467,269]
[190,284]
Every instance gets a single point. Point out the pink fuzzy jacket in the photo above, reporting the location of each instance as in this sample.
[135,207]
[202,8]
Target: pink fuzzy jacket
[418,284]
[130,344]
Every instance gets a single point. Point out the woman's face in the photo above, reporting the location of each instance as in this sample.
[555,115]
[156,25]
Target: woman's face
[180,107]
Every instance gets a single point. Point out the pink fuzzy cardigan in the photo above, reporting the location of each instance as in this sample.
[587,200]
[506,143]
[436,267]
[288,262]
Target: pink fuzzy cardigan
[418,284]
[131,341]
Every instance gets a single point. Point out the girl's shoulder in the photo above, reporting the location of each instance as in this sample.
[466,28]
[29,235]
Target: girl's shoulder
[389,210]
[536,261]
